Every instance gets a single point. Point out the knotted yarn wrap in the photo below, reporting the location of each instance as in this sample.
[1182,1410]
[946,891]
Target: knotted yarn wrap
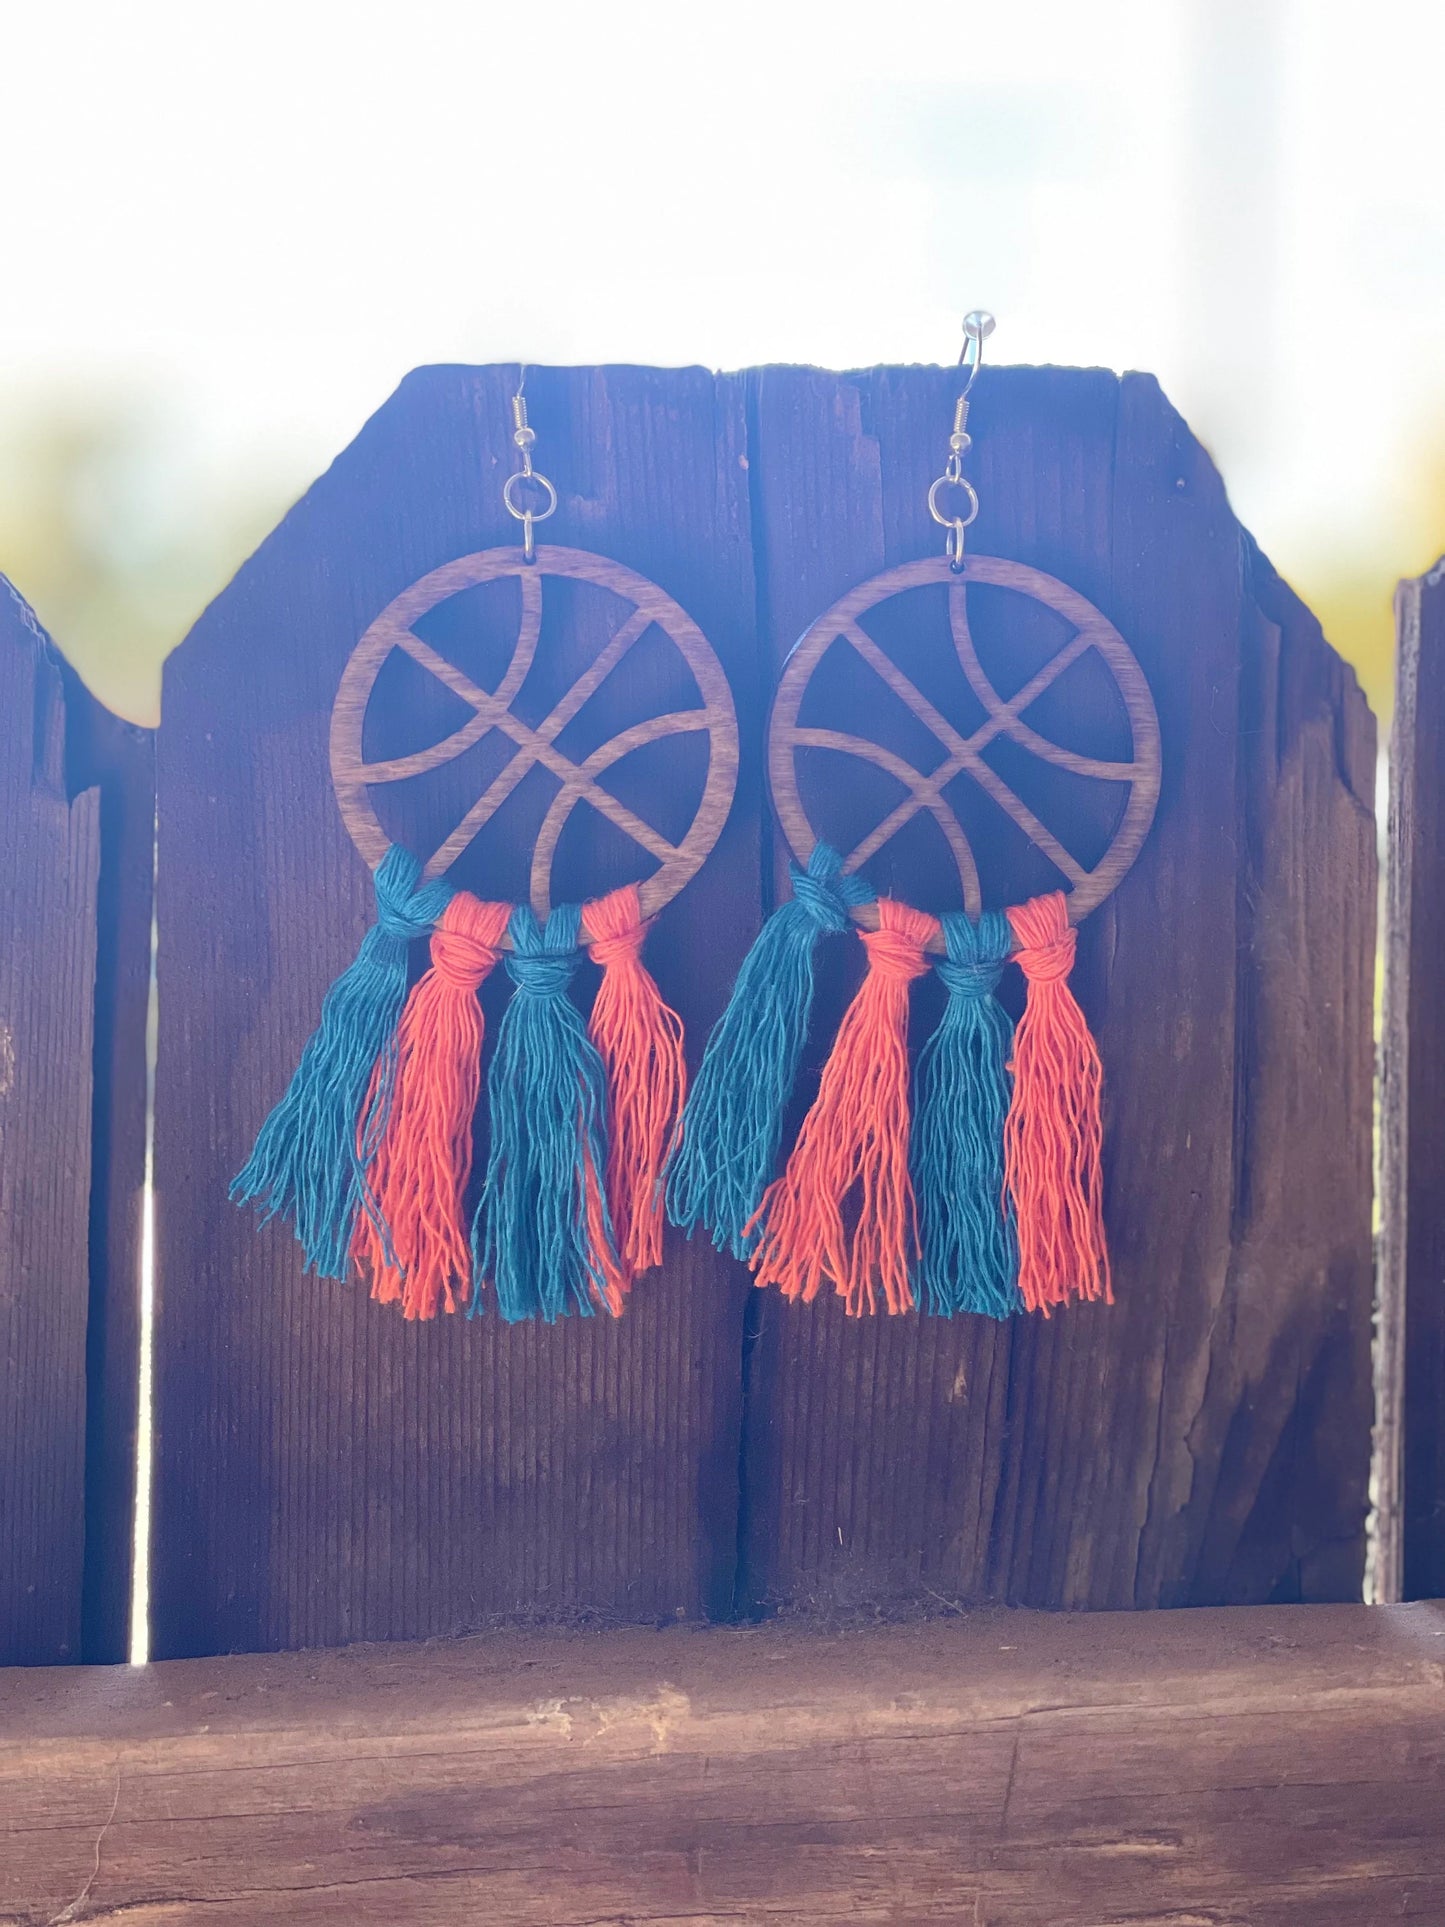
[1053,1135]
[542,1233]
[306,1164]
[856,1134]
[640,1042]
[733,1119]
[967,1246]
[410,1237]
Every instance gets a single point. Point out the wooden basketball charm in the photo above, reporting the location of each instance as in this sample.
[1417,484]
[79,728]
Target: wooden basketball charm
[649,606]
[963,754]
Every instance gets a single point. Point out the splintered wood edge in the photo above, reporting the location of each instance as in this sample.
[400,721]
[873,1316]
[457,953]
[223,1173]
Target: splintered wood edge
[1091,626]
[392,629]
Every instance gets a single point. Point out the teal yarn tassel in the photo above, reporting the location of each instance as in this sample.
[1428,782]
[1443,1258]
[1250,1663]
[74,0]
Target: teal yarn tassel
[305,1167]
[733,1117]
[541,1234]
[968,1247]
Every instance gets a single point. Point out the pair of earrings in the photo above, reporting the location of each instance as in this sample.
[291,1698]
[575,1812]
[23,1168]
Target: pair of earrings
[978,1188]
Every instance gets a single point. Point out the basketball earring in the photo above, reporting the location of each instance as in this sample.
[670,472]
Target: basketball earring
[989,1196]
[368,1154]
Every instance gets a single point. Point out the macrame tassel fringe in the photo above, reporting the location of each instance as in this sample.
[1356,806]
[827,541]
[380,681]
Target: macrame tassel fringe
[968,1251]
[410,1237]
[640,1042]
[856,1134]
[1053,1136]
[734,1116]
[306,1165]
[542,1233]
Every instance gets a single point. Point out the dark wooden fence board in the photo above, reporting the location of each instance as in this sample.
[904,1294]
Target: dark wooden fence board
[48,869]
[326,1472]
[1412,1267]
[1206,1439]
[1283,1474]
[1256,1768]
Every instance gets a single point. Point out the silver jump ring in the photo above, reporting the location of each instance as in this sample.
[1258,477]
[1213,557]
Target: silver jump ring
[526,514]
[952,521]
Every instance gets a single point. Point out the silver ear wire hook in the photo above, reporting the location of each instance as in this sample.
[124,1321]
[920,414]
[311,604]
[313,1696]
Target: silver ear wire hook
[524,439]
[978,325]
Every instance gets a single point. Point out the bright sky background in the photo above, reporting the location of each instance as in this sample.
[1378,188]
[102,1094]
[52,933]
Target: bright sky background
[227,232]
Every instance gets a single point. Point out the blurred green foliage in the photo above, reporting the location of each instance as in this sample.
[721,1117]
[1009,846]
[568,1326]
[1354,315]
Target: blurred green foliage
[113,529]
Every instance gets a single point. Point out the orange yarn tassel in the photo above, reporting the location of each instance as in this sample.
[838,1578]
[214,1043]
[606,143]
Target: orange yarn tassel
[639,1040]
[613,1280]
[1053,1135]
[410,1237]
[855,1134]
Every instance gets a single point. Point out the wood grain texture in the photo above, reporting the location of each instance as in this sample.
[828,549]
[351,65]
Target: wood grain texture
[48,870]
[1206,1440]
[1411,1449]
[325,1472]
[1291,1398]
[1254,1768]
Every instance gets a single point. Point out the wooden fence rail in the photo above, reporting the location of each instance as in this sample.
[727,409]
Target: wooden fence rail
[1278,1767]
[326,1473]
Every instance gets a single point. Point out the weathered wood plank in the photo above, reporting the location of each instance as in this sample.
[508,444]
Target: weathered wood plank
[1231,1768]
[1412,1111]
[1207,1439]
[1288,1418]
[325,1471]
[48,871]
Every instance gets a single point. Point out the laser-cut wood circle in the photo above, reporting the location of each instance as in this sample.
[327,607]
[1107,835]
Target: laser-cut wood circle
[1086,889]
[353,776]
